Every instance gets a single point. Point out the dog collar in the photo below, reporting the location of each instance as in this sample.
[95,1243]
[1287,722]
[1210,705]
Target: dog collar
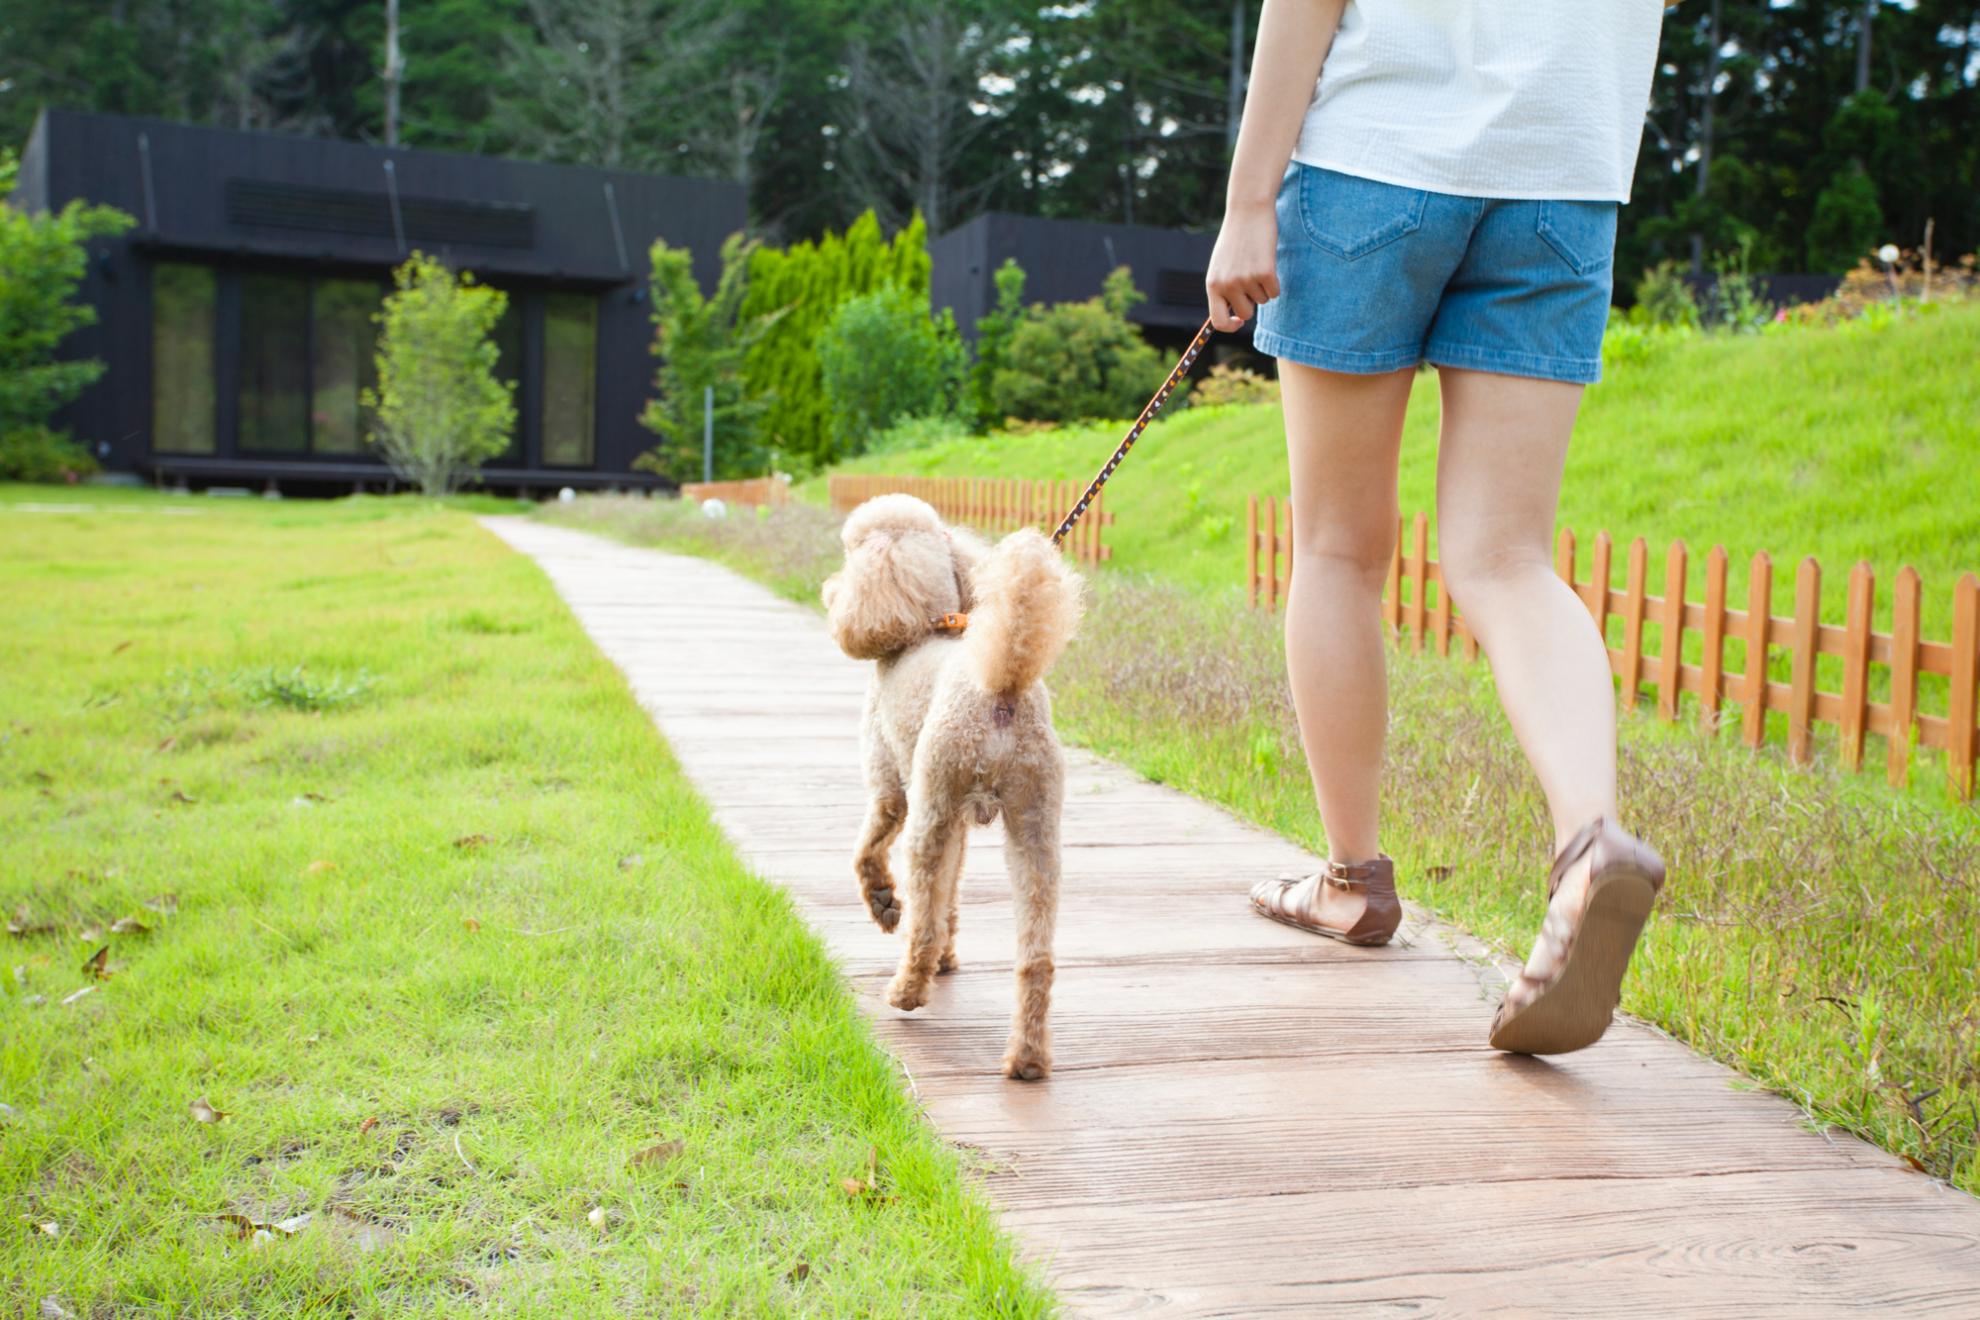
[950,623]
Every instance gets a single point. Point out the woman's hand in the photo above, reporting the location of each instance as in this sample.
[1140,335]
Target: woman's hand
[1243,266]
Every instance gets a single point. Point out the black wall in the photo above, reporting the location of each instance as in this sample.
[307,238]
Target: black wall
[271,201]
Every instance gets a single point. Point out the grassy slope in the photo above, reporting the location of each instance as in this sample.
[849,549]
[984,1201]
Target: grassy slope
[1846,444]
[591,971]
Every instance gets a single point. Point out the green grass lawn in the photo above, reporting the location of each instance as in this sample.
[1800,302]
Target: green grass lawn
[389,867]
[1849,443]
[1820,931]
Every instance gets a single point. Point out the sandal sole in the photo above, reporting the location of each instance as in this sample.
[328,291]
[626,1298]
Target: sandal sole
[1575,1010]
[1340,937]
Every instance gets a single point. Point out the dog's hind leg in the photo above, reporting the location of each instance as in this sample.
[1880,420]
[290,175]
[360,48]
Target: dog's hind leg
[935,831]
[1031,847]
[886,810]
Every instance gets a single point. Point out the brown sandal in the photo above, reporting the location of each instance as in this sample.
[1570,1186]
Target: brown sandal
[1572,1008]
[1377,879]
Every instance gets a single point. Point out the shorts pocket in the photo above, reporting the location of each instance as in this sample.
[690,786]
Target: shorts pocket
[1351,217]
[1583,233]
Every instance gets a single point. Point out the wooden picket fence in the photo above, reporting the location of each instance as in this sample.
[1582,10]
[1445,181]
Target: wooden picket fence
[1409,608]
[995,505]
[772,491]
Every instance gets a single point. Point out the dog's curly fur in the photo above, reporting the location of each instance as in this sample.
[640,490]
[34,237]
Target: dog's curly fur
[958,730]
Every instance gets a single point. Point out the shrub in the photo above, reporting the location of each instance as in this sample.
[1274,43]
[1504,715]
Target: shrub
[1847,220]
[806,283]
[439,409]
[701,343]
[917,433]
[1081,361]
[882,359]
[993,339]
[1664,297]
[42,260]
[1229,384]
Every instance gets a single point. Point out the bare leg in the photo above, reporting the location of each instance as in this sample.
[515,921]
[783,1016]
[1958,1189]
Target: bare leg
[1031,849]
[1499,465]
[886,810]
[934,837]
[1342,437]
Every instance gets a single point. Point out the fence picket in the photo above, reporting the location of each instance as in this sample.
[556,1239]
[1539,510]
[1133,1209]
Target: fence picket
[1632,664]
[1759,614]
[1419,576]
[1271,554]
[1251,552]
[1906,594]
[1856,664]
[1564,556]
[1713,666]
[1962,739]
[1598,586]
[1672,661]
[1807,629]
[1392,603]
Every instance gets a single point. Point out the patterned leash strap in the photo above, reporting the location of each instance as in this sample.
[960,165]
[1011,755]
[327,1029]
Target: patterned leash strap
[1134,432]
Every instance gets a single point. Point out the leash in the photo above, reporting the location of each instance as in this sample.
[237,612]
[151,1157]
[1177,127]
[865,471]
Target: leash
[1182,367]
[954,624]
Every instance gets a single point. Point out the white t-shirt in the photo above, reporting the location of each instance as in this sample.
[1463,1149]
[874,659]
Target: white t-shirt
[1487,98]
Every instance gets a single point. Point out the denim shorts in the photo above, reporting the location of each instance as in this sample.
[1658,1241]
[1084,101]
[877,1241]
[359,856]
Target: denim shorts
[1374,277]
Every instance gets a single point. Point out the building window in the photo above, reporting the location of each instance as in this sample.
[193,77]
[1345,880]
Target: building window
[274,397]
[343,363]
[570,342]
[182,302]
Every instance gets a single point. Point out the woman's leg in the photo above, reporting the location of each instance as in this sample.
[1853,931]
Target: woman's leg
[1503,446]
[1342,437]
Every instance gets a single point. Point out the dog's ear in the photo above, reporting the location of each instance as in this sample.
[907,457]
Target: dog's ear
[969,551]
[873,609]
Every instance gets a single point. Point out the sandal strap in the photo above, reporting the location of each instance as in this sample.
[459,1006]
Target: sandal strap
[1358,875]
[1584,839]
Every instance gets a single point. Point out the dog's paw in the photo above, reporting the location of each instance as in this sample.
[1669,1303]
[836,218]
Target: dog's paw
[907,995]
[1027,1062]
[948,962]
[886,909]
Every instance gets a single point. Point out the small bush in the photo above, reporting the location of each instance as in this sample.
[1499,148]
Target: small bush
[35,453]
[1664,297]
[296,690]
[1082,361]
[883,359]
[439,409]
[993,339]
[917,433]
[1229,384]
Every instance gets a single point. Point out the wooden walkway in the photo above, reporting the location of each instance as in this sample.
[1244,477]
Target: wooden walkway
[1243,1120]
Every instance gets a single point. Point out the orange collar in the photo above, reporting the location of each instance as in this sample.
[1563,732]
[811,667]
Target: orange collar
[950,623]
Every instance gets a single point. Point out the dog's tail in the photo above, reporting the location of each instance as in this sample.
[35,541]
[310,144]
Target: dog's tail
[1027,605]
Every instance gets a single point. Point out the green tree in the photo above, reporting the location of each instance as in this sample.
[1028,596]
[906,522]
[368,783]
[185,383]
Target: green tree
[439,410]
[993,339]
[883,359]
[806,283]
[701,343]
[42,260]
[1081,361]
[1846,224]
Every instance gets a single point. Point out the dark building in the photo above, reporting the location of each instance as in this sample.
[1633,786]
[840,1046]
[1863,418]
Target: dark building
[1066,260]
[235,316]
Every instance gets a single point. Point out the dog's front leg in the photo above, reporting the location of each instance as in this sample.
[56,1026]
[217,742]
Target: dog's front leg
[934,846]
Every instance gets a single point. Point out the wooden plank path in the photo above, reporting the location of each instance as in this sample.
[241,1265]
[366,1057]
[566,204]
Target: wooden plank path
[1244,1120]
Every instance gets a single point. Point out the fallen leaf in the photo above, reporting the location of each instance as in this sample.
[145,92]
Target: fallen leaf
[657,1154]
[629,861]
[180,795]
[169,743]
[122,646]
[319,866]
[367,1125]
[90,934]
[54,1310]
[292,1225]
[24,925]
[202,1112]
[243,1226]
[852,1186]
[51,1228]
[1916,1163]
[472,841]
[799,1272]
[129,926]
[98,964]
[252,1230]
[75,995]
[1438,874]
[597,1217]
[164,904]
[471,923]
[35,1001]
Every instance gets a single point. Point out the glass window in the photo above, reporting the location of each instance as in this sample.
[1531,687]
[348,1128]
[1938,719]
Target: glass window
[509,367]
[182,301]
[274,364]
[343,342]
[570,336]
